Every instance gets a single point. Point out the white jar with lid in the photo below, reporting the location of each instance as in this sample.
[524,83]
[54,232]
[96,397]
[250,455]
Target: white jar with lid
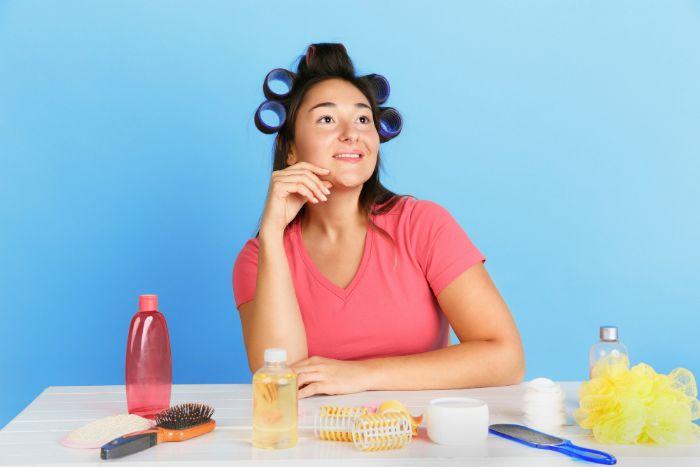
[457,421]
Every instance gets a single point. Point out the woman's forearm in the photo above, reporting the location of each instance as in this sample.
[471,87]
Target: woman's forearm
[275,319]
[465,365]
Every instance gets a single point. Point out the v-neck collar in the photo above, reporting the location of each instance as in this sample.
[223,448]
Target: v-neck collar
[342,293]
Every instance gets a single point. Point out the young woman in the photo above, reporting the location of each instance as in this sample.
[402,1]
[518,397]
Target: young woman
[358,284]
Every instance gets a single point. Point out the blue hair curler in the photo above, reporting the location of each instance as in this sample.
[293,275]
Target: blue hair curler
[390,123]
[380,86]
[278,74]
[272,106]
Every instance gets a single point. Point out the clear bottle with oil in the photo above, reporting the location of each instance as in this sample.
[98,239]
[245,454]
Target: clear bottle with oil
[609,346]
[275,416]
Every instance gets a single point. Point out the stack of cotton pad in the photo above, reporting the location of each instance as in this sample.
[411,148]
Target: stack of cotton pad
[543,405]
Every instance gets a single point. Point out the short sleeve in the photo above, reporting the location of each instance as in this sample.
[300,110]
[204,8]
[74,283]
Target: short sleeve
[245,273]
[443,249]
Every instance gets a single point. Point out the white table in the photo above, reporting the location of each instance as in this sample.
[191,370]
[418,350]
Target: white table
[32,438]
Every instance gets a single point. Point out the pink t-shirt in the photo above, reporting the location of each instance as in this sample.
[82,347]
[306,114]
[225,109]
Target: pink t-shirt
[390,307]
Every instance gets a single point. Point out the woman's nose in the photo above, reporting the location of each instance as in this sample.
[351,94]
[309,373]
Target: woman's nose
[348,132]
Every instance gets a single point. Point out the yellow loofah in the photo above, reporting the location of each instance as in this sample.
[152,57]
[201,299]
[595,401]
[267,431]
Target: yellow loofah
[636,405]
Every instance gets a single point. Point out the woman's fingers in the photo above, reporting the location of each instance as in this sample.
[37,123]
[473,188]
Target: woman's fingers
[299,171]
[299,188]
[311,377]
[312,389]
[316,178]
[301,179]
[314,168]
[313,360]
[308,368]
[310,180]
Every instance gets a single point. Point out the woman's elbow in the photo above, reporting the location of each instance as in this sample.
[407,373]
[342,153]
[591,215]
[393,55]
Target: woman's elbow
[516,367]
[512,366]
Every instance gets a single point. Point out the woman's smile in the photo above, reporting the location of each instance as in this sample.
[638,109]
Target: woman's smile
[351,158]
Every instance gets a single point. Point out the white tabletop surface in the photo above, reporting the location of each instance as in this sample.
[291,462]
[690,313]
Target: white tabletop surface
[32,438]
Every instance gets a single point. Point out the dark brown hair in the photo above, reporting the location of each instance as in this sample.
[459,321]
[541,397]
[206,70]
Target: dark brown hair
[322,62]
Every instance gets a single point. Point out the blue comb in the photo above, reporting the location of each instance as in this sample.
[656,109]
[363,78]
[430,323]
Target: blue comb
[539,440]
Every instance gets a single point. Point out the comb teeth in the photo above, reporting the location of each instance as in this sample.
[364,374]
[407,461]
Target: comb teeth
[180,417]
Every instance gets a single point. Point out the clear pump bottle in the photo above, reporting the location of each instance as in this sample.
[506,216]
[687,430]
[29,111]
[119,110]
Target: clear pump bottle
[609,344]
[275,415]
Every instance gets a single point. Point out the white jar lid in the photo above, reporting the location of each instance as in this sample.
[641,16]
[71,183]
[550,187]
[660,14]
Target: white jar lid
[457,421]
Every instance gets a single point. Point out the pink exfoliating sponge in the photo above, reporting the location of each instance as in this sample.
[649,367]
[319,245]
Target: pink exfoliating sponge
[102,431]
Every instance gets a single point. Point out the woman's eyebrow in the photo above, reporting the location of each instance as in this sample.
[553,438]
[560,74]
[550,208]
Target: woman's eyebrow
[332,104]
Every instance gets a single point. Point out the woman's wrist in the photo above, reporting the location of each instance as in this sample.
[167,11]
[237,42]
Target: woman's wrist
[270,235]
[371,371]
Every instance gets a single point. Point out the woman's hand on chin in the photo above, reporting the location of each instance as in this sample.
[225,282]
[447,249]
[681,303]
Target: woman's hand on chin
[319,375]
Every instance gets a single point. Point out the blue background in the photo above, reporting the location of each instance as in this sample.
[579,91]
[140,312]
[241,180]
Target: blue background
[563,136]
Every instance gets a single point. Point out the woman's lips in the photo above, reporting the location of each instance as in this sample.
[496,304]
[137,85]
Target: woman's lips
[349,158]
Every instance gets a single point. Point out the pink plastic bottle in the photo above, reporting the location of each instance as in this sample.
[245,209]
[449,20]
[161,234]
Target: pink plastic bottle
[148,363]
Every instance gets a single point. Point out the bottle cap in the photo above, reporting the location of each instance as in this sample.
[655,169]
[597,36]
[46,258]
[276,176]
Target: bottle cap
[275,355]
[148,302]
[608,333]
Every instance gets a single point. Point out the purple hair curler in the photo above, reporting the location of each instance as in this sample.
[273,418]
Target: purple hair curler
[390,123]
[380,86]
[275,107]
[281,75]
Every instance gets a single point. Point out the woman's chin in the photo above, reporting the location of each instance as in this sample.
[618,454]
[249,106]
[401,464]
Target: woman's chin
[346,185]
[347,181]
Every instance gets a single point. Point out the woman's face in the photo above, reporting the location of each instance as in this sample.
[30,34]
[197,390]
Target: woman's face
[335,119]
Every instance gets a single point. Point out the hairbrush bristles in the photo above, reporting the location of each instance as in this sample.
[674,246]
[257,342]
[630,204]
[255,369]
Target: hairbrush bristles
[180,417]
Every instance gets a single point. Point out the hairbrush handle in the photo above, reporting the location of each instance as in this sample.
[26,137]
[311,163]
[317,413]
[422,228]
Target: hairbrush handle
[579,452]
[129,444]
[166,435]
[141,440]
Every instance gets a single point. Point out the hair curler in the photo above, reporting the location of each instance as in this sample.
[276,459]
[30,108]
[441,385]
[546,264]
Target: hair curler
[380,86]
[272,106]
[335,423]
[278,74]
[367,431]
[377,432]
[390,123]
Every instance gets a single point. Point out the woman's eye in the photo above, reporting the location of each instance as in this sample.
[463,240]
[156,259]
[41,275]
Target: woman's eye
[329,119]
